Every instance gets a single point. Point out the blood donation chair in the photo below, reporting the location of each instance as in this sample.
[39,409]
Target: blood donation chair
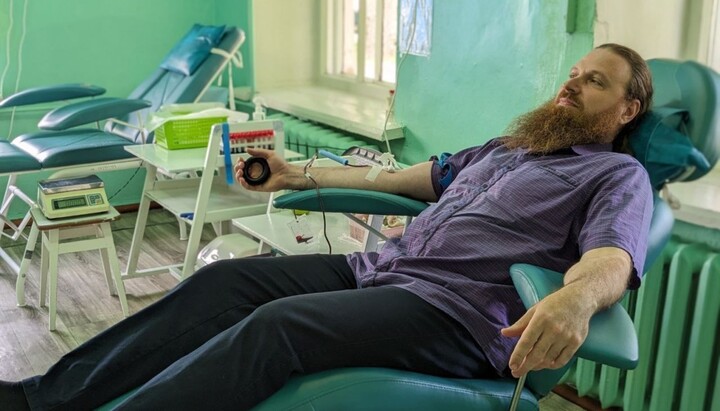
[64,149]
[686,96]
[685,100]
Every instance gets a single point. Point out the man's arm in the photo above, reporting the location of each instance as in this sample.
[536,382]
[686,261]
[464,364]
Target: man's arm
[412,182]
[552,330]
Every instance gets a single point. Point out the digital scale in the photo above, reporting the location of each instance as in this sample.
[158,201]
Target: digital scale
[70,197]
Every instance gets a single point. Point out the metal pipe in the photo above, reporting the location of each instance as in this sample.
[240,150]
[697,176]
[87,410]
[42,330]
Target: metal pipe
[516,394]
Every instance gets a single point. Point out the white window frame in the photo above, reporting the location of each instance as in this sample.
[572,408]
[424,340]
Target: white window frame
[330,40]
[699,198]
[710,35]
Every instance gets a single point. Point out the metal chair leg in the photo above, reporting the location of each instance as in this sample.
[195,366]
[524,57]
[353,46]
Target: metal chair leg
[516,394]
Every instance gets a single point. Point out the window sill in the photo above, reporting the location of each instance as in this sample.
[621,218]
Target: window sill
[343,110]
[700,200]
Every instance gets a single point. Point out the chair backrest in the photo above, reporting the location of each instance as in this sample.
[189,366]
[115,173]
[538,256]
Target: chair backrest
[168,87]
[693,88]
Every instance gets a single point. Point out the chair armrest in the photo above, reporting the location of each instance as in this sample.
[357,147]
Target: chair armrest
[611,338]
[348,200]
[47,94]
[660,230]
[90,111]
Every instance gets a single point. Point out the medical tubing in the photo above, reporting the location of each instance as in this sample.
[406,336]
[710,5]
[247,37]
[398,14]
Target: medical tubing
[409,41]
[19,56]
[8,38]
[333,157]
[230,60]
[20,45]
[306,172]
[322,210]
[226,153]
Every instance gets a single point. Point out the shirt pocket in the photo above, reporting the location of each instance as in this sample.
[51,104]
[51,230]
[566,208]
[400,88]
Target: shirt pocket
[541,197]
[565,177]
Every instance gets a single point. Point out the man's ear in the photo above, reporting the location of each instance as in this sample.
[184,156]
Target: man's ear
[632,108]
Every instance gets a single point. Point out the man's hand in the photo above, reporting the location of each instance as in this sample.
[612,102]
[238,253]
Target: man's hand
[550,332]
[553,329]
[282,174]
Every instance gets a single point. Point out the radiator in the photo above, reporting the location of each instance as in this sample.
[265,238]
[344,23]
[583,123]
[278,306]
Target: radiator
[306,137]
[676,315]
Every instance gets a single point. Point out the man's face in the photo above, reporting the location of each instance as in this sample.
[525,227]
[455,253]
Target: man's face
[590,108]
[597,85]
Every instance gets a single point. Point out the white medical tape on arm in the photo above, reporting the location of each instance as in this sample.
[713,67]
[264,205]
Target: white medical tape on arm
[387,163]
[373,173]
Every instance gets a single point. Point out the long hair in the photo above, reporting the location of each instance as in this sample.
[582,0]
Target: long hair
[639,87]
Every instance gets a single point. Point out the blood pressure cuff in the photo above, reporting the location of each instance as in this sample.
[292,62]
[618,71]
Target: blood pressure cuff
[443,173]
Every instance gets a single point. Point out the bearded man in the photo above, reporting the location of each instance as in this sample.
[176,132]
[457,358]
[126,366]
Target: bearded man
[438,301]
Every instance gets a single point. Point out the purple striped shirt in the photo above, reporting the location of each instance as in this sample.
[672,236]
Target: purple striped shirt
[504,207]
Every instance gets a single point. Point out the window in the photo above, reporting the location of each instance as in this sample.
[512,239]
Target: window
[360,41]
[713,35]
[700,199]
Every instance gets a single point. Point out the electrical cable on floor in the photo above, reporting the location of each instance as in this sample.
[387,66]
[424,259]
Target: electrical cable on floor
[127,182]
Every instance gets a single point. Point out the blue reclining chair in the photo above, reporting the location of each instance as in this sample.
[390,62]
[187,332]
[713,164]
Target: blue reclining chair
[184,77]
[686,99]
[687,88]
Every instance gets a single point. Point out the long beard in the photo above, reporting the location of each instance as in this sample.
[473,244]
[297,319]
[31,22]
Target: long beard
[551,128]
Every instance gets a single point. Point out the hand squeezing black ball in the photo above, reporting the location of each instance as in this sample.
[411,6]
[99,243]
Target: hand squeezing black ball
[256,171]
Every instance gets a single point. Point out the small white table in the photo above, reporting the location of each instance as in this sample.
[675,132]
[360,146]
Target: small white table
[70,235]
[273,230]
[197,200]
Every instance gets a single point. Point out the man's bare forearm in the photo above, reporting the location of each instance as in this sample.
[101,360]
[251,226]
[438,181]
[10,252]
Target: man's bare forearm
[600,277]
[412,182]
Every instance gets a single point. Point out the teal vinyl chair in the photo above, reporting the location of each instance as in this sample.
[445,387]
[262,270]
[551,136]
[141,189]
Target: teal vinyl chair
[70,141]
[68,137]
[611,339]
[685,86]
[686,99]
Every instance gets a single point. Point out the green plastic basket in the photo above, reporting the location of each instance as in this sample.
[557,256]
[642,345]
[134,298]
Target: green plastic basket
[186,133]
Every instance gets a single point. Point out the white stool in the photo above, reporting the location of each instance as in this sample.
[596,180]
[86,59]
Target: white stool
[74,233]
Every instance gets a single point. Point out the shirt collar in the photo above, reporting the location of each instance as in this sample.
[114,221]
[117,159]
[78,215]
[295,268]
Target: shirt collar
[584,149]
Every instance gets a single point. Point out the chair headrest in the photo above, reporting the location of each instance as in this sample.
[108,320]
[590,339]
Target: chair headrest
[663,148]
[692,88]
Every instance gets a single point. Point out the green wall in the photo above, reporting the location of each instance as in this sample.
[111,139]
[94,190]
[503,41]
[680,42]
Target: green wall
[490,61]
[105,42]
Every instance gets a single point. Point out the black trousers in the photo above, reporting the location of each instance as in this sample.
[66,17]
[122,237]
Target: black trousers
[235,331]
